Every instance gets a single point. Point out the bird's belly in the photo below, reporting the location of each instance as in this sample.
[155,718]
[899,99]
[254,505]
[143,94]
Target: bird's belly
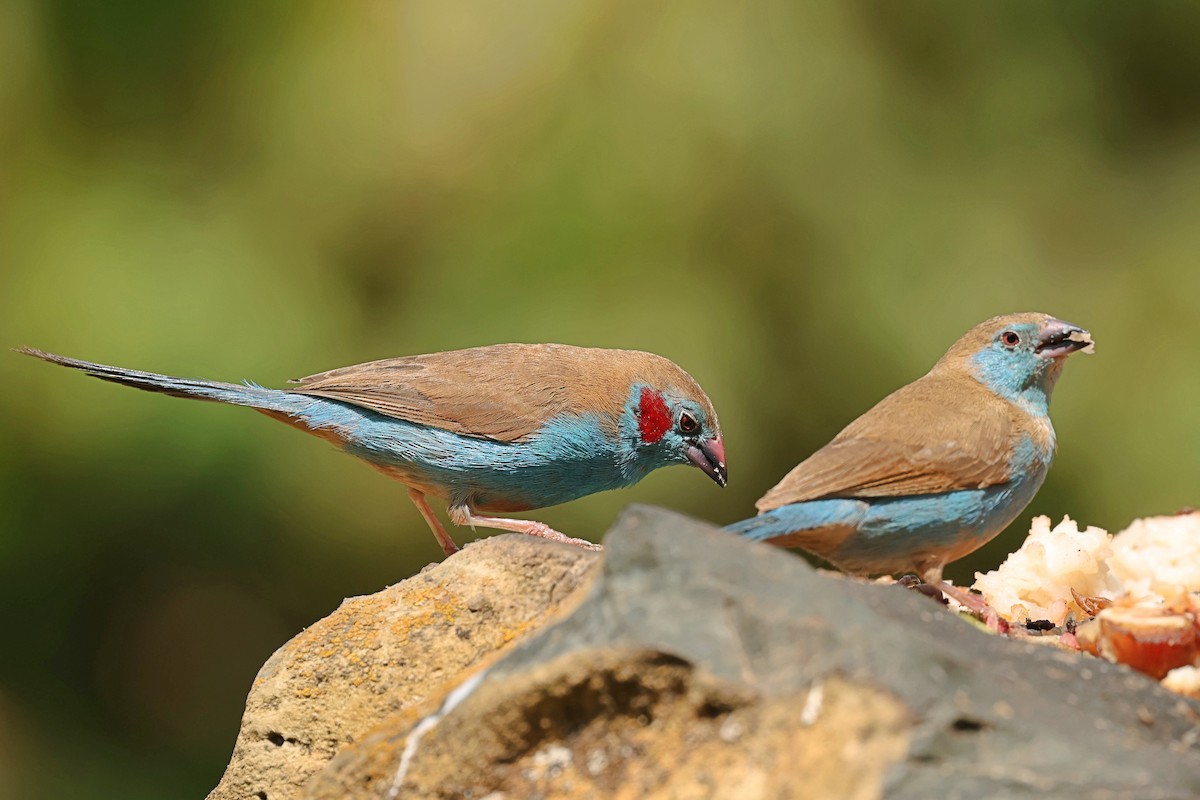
[901,534]
[908,533]
[499,488]
[489,475]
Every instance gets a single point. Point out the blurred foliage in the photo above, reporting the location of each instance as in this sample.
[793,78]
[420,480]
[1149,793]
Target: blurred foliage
[802,204]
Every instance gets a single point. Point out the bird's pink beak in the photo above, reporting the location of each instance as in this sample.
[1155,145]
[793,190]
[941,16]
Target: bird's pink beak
[1058,338]
[709,456]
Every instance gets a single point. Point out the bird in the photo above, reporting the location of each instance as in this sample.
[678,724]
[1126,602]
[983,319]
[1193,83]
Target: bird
[937,468]
[490,430]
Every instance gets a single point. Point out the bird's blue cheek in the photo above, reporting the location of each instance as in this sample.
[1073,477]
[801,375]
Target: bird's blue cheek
[1001,372]
[670,450]
[641,458]
[1019,377]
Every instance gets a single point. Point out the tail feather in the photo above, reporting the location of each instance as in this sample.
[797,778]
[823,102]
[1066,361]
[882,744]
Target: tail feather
[252,396]
[819,526]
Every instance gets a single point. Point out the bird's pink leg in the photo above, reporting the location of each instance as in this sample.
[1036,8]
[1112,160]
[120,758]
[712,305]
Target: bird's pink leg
[932,573]
[462,515]
[435,524]
[973,603]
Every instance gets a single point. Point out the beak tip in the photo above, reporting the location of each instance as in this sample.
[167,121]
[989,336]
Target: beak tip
[710,458]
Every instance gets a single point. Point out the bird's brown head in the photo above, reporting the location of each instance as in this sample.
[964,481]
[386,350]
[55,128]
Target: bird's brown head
[669,419]
[1017,354]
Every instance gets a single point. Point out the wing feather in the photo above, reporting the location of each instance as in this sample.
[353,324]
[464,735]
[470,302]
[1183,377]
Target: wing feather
[938,434]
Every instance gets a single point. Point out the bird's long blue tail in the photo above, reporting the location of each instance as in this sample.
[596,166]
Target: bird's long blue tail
[242,395]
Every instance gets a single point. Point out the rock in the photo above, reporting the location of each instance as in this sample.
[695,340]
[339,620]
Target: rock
[695,665]
[380,654]
[700,665]
[631,724]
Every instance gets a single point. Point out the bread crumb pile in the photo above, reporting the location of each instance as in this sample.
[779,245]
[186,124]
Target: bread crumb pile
[1035,582]
[1158,557]
[1152,559]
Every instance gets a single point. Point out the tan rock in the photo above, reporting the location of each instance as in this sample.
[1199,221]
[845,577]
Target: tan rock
[628,725]
[383,653]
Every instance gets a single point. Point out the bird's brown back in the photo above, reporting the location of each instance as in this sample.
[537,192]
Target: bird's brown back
[943,432]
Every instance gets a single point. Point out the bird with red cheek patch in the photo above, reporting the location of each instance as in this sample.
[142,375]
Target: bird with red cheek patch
[495,429]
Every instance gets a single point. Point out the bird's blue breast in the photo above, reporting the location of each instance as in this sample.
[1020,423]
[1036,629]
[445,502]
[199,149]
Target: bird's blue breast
[895,534]
[570,457]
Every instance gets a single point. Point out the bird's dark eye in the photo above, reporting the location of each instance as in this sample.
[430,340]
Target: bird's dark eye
[688,424]
[1010,338]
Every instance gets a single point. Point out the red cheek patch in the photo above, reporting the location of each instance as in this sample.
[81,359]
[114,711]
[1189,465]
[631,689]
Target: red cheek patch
[654,418]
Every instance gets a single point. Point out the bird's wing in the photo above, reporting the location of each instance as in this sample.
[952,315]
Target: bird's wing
[504,392]
[936,435]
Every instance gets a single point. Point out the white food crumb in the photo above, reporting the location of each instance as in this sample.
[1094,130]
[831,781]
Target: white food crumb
[1158,556]
[1151,562]
[1035,582]
[1085,338]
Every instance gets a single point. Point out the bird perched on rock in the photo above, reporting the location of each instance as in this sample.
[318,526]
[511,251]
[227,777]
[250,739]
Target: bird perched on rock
[496,429]
[937,468]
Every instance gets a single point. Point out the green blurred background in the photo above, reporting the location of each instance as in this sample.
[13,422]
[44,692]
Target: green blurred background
[803,206]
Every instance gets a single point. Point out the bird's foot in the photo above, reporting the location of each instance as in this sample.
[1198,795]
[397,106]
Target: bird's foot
[463,516]
[975,604]
[939,590]
[928,589]
[546,532]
